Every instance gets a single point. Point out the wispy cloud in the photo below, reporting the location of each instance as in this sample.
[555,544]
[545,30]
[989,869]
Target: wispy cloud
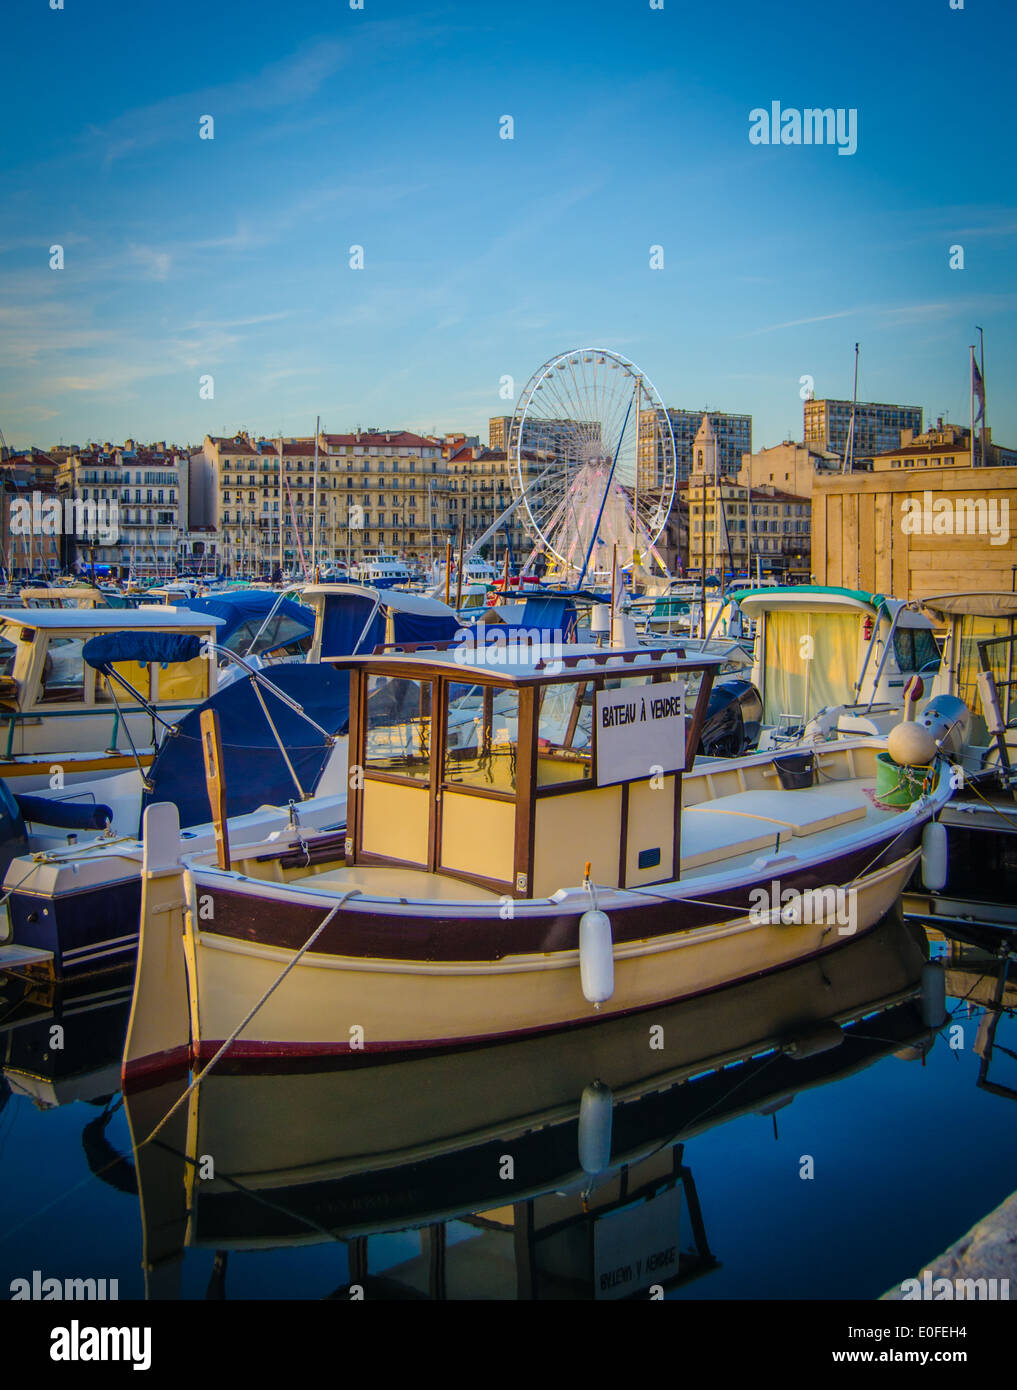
[155,264]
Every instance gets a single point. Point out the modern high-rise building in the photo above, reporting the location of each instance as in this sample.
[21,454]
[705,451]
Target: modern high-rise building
[543,435]
[877,427]
[733,434]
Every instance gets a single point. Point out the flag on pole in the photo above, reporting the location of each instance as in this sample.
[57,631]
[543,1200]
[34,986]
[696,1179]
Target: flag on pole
[977,391]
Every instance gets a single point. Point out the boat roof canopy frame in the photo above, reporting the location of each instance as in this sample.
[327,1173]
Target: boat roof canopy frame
[987,603]
[574,664]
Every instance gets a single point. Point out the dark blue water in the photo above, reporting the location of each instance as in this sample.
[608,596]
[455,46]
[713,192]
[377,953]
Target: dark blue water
[906,1156]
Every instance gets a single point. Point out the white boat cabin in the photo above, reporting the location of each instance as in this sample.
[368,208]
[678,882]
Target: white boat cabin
[54,703]
[835,661]
[66,596]
[510,774]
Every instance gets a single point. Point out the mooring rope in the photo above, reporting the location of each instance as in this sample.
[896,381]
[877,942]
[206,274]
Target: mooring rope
[258,1005]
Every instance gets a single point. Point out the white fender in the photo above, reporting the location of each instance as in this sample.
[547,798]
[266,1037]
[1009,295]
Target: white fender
[934,856]
[596,1112]
[596,956]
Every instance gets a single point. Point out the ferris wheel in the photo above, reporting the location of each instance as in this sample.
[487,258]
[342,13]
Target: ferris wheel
[592,454]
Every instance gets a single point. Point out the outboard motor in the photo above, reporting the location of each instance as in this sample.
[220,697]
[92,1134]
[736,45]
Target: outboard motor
[943,726]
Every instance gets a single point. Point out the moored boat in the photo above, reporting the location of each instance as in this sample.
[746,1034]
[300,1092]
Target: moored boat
[457,910]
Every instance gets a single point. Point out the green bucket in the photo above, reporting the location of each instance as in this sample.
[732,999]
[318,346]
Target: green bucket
[896,785]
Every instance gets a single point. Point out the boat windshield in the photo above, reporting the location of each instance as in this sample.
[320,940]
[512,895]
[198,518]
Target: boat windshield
[399,727]
[916,650]
[565,725]
[482,737]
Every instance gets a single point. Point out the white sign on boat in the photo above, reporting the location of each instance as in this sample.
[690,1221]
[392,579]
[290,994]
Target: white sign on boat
[639,729]
[637,1247]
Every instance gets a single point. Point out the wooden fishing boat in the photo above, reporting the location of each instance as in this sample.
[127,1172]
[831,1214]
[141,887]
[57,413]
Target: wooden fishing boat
[458,911]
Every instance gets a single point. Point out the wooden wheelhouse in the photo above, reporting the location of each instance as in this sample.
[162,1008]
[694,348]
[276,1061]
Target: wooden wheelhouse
[509,775]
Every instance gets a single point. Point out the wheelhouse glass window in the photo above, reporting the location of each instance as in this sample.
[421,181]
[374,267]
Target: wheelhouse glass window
[915,649]
[564,728]
[63,672]
[398,727]
[482,737]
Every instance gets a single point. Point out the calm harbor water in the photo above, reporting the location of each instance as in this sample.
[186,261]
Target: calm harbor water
[745,1149]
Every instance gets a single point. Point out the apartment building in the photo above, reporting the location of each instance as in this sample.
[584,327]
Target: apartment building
[28,549]
[790,467]
[733,435]
[732,526]
[372,492]
[878,427]
[946,446]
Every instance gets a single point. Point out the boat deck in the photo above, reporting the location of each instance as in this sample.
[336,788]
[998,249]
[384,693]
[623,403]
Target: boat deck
[726,832]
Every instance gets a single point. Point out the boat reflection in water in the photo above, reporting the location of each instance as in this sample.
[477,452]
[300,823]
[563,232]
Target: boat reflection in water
[564,1155]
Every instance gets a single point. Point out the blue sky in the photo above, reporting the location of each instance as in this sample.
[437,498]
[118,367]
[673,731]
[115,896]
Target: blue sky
[484,257]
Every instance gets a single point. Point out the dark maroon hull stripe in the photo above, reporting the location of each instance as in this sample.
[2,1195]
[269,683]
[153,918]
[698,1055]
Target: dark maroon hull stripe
[287,925]
[154,1069]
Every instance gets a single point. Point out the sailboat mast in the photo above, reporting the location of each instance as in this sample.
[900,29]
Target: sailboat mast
[314,502]
[849,452]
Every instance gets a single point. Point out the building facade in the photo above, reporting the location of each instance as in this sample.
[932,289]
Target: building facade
[878,427]
[789,466]
[946,446]
[733,434]
[373,492]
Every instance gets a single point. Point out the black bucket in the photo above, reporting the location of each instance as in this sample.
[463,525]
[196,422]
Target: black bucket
[795,770]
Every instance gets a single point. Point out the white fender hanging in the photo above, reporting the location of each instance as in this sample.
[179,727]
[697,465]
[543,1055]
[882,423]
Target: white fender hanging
[935,856]
[596,1112]
[596,951]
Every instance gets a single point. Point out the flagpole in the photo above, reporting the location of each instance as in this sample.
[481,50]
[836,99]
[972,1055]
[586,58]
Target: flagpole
[985,404]
[971,378]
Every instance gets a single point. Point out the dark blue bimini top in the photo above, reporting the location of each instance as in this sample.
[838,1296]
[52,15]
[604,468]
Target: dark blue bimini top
[244,610]
[102,651]
[254,771]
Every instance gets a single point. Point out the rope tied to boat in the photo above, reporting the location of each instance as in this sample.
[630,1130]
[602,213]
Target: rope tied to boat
[351,892]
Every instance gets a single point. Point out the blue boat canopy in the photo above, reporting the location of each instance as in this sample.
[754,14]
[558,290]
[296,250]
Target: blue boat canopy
[244,611]
[388,616]
[255,772]
[102,651]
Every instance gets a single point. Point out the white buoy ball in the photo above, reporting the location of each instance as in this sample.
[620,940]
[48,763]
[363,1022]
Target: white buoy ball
[911,745]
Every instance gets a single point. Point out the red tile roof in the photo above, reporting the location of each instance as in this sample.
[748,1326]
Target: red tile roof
[394,439]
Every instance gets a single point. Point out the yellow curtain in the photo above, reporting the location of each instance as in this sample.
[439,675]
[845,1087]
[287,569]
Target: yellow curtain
[810,662]
[834,665]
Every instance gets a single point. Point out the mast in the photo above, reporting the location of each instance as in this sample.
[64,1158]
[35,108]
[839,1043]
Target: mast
[282,511]
[971,379]
[983,402]
[849,453]
[702,577]
[314,501]
[635,489]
